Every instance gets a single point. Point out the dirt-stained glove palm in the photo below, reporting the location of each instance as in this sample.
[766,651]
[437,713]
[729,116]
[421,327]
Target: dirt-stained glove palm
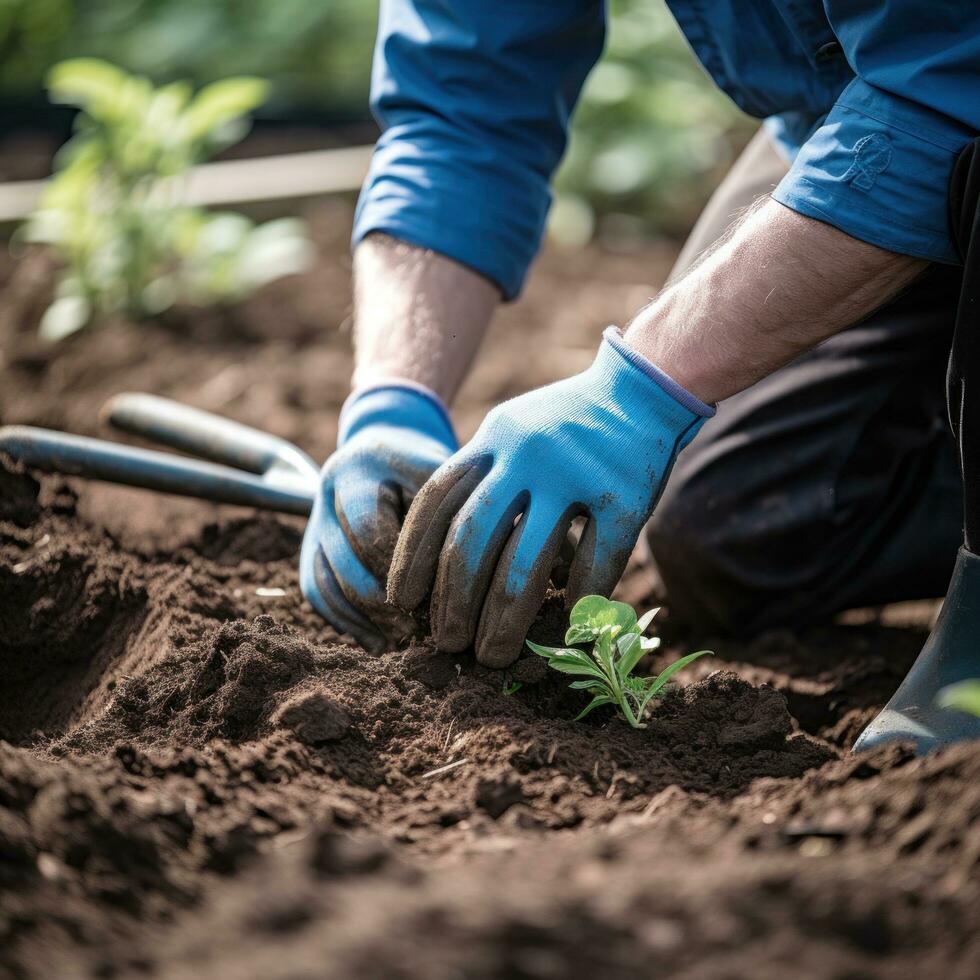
[599,445]
[391,440]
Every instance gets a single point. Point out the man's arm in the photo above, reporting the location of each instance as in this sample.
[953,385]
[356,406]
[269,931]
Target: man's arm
[418,316]
[775,287]
[474,100]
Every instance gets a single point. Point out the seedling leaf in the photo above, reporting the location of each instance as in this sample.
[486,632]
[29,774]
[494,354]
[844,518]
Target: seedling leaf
[665,675]
[221,102]
[547,651]
[65,316]
[580,634]
[591,685]
[597,702]
[646,619]
[596,612]
[568,666]
[87,82]
[568,661]
[630,653]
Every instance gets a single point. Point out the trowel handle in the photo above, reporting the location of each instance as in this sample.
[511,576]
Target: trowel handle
[210,436]
[61,452]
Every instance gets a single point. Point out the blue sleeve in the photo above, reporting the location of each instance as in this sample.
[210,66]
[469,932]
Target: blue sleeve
[879,165]
[474,99]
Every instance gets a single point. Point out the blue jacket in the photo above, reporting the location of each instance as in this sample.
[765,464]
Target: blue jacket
[872,99]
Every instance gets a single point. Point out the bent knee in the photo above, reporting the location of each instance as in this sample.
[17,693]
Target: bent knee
[686,551]
[726,564]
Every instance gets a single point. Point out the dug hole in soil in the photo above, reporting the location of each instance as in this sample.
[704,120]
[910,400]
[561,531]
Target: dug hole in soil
[198,778]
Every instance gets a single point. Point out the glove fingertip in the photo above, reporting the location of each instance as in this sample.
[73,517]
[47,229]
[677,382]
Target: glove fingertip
[416,558]
[399,589]
[496,656]
[319,586]
[500,635]
[373,541]
[600,560]
[373,643]
[453,644]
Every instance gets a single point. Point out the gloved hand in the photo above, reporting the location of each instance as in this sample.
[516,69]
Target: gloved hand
[391,440]
[599,444]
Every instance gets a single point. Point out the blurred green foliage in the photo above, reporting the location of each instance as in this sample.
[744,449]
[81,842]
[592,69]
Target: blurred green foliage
[112,212]
[650,139]
[652,134]
[316,52]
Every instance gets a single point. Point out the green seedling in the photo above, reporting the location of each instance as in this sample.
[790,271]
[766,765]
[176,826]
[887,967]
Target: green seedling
[964,696]
[617,646]
[513,687]
[113,212]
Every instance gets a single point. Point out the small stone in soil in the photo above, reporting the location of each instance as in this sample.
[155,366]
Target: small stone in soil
[313,717]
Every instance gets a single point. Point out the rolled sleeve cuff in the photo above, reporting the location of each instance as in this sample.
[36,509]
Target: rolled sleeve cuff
[878,168]
[480,215]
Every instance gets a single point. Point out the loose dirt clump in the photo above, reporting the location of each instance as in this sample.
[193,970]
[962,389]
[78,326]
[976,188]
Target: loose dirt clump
[257,539]
[201,779]
[313,717]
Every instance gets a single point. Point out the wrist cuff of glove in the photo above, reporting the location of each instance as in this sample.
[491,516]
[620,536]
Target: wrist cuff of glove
[397,403]
[614,337]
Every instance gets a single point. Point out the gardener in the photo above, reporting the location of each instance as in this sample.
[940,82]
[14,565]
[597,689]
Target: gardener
[797,358]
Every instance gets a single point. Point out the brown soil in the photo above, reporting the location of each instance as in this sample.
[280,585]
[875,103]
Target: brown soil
[201,781]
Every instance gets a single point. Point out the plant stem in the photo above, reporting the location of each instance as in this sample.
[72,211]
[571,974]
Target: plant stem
[604,654]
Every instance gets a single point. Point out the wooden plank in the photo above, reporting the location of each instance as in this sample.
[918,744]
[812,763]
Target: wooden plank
[312,173]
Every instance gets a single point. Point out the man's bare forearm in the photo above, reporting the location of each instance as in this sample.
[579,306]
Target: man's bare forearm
[418,316]
[778,285]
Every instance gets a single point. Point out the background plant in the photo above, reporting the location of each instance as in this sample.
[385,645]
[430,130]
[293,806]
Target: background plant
[112,211]
[617,646]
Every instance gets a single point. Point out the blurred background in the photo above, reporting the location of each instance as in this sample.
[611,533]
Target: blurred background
[651,138]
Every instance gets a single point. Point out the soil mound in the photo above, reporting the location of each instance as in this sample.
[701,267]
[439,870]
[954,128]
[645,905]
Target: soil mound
[224,686]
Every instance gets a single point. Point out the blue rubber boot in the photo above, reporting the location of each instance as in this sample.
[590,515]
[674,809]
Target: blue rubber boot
[951,654]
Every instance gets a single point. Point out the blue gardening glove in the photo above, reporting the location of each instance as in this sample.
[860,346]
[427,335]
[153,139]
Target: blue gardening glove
[599,445]
[391,440]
